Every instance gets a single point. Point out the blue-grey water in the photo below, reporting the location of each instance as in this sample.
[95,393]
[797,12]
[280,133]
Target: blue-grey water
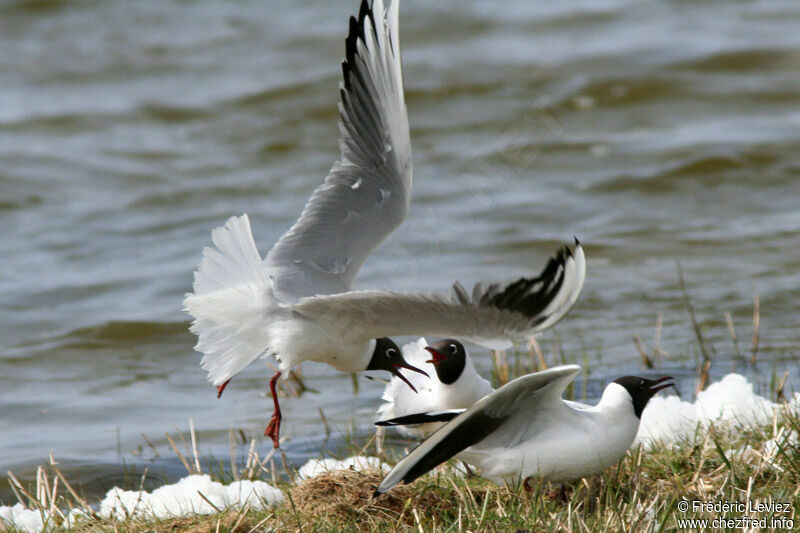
[654,131]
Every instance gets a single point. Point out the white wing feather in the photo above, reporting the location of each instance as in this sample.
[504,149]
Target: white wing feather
[367,192]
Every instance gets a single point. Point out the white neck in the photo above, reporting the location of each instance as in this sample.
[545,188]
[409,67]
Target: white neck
[617,400]
[367,357]
[618,420]
[616,406]
[466,390]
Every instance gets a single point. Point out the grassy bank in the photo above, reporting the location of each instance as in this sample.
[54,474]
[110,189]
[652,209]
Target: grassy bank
[643,493]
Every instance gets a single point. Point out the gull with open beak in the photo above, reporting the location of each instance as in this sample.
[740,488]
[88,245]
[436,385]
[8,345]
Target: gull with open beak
[525,429]
[454,384]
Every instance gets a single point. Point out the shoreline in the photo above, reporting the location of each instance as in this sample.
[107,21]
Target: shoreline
[736,465]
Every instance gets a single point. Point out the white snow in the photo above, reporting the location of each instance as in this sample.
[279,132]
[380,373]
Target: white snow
[783,440]
[178,499]
[729,403]
[21,518]
[191,495]
[315,467]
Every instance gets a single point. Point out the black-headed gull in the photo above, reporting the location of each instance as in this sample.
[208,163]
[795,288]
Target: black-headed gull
[298,303]
[525,429]
[453,384]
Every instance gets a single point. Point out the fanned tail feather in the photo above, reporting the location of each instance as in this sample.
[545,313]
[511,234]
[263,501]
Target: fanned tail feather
[232,292]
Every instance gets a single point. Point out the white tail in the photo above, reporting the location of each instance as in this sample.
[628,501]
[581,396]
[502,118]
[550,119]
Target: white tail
[232,292]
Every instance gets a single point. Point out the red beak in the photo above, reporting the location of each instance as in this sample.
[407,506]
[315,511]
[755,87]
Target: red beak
[438,357]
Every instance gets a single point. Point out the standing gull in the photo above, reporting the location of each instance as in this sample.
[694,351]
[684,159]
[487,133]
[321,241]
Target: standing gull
[298,303]
[453,384]
[525,430]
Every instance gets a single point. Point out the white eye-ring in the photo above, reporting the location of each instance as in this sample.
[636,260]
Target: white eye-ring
[453,348]
[391,352]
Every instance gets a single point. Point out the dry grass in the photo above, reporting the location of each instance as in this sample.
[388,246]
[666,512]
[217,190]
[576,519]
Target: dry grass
[345,497]
[642,493]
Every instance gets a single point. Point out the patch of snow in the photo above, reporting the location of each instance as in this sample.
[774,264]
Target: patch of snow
[21,518]
[729,403]
[315,467]
[168,501]
[196,494]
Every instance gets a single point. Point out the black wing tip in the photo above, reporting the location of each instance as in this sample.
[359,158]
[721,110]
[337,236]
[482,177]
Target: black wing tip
[356,32]
[418,418]
[405,420]
[350,50]
[531,296]
[364,11]
[376,494]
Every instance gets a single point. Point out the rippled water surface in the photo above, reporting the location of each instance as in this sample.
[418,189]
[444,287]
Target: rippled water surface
[654,131]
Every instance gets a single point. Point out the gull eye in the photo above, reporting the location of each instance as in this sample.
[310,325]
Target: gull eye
[391,352]
[453,349]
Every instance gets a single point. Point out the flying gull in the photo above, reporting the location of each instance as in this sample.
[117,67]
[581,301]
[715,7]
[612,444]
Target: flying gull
[298,304]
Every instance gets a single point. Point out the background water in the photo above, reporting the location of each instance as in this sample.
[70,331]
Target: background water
[654,131]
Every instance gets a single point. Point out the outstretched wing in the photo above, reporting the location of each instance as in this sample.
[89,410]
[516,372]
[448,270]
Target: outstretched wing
[492,315]
[366,194]
[533,392]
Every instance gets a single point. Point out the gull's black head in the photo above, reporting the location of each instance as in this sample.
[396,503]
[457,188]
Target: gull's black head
[387,356]
[449,358]
[642,389]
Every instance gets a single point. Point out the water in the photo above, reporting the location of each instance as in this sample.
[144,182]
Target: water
[654,131]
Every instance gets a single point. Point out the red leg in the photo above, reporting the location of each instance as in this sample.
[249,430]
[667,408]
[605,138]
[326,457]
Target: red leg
[274,426]
[221,388]
[526,484]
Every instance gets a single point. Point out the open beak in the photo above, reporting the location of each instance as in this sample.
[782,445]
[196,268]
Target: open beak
[438,357]
[655,387]
[396,371]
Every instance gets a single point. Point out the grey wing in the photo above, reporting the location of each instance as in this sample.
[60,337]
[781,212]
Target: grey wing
[493,315]
[366,194]
[487,419]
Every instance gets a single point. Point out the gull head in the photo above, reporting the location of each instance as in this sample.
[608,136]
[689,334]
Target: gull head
[642,389]
[448,357]
[387,356]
